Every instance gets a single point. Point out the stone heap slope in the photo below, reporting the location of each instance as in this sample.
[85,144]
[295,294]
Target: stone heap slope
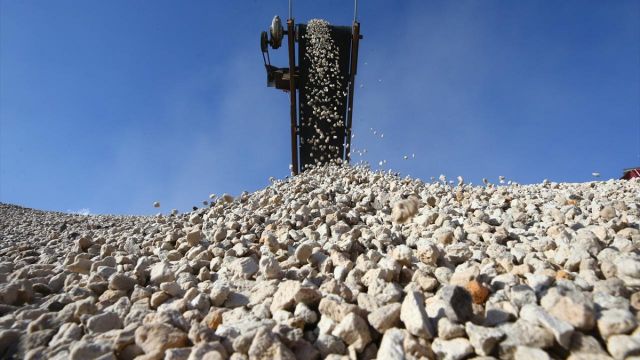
[339,263]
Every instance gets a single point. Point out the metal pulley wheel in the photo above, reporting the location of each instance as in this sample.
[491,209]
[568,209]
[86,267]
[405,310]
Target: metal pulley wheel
[277,32]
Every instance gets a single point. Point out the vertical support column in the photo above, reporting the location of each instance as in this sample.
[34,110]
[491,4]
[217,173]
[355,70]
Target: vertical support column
[355,41]
[292,96]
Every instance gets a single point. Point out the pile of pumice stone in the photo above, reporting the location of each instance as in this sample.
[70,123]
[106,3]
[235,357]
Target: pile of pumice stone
[339,262]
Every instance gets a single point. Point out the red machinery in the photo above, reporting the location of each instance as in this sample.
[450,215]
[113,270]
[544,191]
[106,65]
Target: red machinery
[630,173]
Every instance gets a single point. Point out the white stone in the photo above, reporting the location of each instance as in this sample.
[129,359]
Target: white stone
[354,331]
[623,346]
[391,346]
[483,339]
[562,331]
[455,349]
[385,317]
[527,353]
[161,272]
[414,316]
[616,322]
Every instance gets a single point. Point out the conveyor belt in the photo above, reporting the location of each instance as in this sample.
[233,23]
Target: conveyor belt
[341,36]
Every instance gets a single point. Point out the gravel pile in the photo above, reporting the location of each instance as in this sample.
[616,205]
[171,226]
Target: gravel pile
[325,99]
[336,263]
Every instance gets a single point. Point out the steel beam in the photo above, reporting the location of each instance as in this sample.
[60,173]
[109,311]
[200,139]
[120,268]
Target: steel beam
[292,96]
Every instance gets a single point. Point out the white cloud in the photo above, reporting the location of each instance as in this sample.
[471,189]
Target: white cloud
[83,211]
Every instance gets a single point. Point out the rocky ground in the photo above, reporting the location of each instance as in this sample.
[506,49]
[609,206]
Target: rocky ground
[339,262]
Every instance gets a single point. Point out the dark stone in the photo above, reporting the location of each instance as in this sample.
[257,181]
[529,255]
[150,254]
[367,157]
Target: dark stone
[56,303]
[459,303]
[38,338]
[56,306]
[6,309]
[98,287]
[42,289]
[9,340]
[304,350]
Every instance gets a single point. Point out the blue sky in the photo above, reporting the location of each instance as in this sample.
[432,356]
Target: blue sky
[112,105]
